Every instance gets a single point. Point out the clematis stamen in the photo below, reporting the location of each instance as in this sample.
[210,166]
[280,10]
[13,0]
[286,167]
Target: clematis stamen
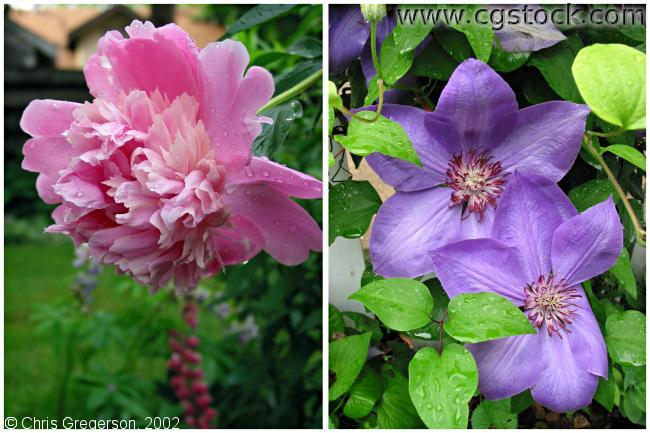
[475,179]
[550,302]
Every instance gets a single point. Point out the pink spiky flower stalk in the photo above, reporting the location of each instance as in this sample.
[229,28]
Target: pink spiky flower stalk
[187,378]
[156,173]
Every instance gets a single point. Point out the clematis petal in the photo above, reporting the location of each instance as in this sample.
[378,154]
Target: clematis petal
[480,265]
[48,155]
[289,232]
[231,100]
[348,33]
[407,226]
[506,366]
[280,178]
[401,175]
[47,117]
[433,155]
[527,36]
[527,215]
[563,385]
[478,105]
[545,140]
[121,65]
[587,244]
[476,226]
[585,339]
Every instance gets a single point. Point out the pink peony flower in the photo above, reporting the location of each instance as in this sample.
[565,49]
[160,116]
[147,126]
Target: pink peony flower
[156,173]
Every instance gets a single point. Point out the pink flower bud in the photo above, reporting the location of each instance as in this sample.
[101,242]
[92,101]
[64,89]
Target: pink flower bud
[200,387]
[204,400]
[188,408]
[209,413]
[175,362]
[191,421]
[192,341]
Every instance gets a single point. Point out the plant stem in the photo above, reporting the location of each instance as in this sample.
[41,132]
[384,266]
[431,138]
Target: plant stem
[640,233]
[373,49]
[606,134]
[350,114]
[293,91]
[68,364]
[441,328]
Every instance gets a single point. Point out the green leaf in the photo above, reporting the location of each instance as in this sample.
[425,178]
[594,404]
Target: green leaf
[363,323]
[383,136]
[336,323]
[346,358]
[296,74]
[634,405]
[634,376]
[521,402]
[365,392]
[352,205]
[274,134]
[591,193]
[611,79]
[622,271]
[408,35]
[628,153]
[401,304]
[441,386]
[494,414]
[396,410]
[625,336]
[433,62]
[372,92]
[331,119]
[478,35]
[454,42]
[506,61]
[555,65]
[607,393]
[633,31]
[369,276]
[394,62]
[333,97]
[256,16]
[307,47]
[476,317]
[358,85]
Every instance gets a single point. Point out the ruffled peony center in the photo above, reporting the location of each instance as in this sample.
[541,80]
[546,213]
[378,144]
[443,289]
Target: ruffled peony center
[550,302]
[475,180]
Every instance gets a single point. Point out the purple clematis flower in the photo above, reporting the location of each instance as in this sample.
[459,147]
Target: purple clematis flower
[476,137]
[527,35]
[541,250]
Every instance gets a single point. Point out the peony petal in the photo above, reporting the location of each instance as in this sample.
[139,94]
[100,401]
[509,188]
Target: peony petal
[348,33]
[48,155]
[44,185]
[527,215]
[478,104]
[401,175]
[433,155]
[47,117]
[407,226]
[587,244]
[282,179]
[237,243]
[289,232]
[563,385]
[231,100]
[507,366]
[480,265]
[545,140]
[121,65]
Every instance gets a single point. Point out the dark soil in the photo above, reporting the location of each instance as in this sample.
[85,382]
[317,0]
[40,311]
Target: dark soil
[537,416]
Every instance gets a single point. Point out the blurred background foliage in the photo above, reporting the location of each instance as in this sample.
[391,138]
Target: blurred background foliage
[81,341]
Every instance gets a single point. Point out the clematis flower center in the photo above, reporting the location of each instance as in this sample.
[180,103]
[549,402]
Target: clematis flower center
[550,302]
[476,180]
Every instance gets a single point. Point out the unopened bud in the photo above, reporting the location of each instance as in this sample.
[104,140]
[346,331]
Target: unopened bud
[373,12]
